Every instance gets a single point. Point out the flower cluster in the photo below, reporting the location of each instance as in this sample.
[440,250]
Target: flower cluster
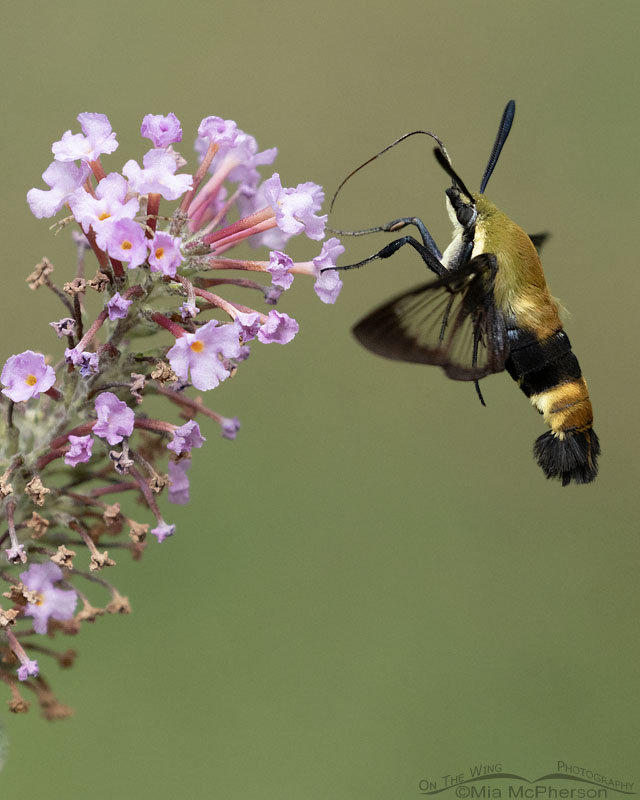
[76,441]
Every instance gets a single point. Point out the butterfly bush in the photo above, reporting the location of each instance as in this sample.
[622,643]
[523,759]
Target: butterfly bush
[77,438]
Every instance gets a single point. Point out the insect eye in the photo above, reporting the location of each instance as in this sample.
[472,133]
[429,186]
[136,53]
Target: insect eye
[465,215]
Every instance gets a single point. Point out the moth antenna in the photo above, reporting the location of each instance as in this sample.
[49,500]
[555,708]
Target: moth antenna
[501,138]
[441,147]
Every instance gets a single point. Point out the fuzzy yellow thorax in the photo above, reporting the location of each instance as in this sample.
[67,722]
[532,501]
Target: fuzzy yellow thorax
[520,287]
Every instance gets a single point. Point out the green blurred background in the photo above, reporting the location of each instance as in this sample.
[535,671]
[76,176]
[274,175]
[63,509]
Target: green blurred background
[374,584]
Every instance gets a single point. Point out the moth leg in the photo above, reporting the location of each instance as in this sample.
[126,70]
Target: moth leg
[474,361]
[427,238]
[445,319]
[396,225]
[479,391]
[428,256]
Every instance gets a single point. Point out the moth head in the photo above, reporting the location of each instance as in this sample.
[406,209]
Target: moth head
[461,208]
[460,202]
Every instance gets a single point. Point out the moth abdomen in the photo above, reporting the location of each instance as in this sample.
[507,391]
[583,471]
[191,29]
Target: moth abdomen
[571,458]
[549,374]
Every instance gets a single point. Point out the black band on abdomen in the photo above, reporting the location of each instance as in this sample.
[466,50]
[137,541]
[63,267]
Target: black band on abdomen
[539,365]
[565,369]
[527,354]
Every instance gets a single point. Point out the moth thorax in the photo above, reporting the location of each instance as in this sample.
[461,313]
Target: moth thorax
[453,250]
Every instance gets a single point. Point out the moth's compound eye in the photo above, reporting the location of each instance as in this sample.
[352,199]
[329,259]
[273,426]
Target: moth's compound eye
[466,215]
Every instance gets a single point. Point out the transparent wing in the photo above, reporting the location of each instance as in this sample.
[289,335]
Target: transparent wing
[452,322]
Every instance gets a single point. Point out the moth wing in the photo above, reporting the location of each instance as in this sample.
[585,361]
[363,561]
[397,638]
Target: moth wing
[539,239]
[451,322]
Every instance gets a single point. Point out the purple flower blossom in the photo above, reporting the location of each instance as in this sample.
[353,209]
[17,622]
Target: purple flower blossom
[249,324]
[87,362]
[163,530]
[124,239]
[165,255]
[244,157]
[331,250]
[178,482]
[188,310]
[118,307]
[98,138]
[28,668]
[251,200]
[245,352]
[115,418]
[64,327]
[213,198]
[26,375]
[157,176]
[65,180]
[230,427]
[109,204]
[217,130]
[198,353]
[295,208]
[162,131]
[279,328]
[279,265]
[52,602]
[80,450]
[186,437]
[272,295]
[214,215]
[16,554]
[328,284]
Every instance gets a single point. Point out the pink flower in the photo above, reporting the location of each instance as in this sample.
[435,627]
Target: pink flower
[279,266]
[115,418]
[109,204]
[328,283]
[295,208]
[80,450]
[328,286]
[64,327]
[165,255]
[51,602]
[124,239]
[186,437]
[118,307]
[65,180]
[98,138]
[178,482]
[189,310]
[217,130]
[26,375]
[163,530]
[229,427]
[245,158]
[249,324]
[279,328]
[89,363]
[28,668]
[157,176]
[162,131]
[16,554]
[199,354]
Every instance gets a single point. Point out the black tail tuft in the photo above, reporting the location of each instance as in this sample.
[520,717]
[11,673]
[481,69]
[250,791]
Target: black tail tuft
[574,458]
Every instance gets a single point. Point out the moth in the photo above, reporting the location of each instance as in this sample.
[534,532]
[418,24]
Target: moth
[488,310]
